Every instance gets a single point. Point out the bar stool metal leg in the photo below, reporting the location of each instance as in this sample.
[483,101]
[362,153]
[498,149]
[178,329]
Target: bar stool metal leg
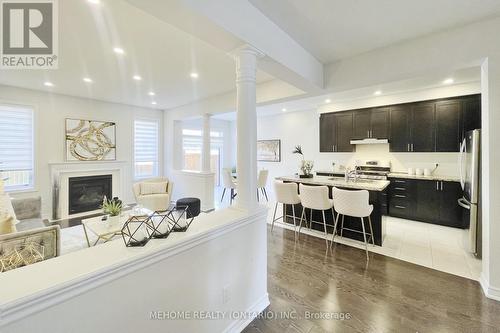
[342,227]
[335,227]
[364,237]
[301,216]
[371,230]
[294,223]
[324,225]
[311,219]
[274,216]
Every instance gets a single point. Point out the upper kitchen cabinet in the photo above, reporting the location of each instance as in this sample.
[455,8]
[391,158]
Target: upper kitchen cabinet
[428,126]
[399,125]
[448,125]
[336,131]
[371,123]
[362,124]
[344,131]
[471,113]
[380,123]
[327,139]
[422,129]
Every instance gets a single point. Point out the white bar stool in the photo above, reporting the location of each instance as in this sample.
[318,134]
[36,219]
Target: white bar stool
[287,194]
[355,204]
[315,198]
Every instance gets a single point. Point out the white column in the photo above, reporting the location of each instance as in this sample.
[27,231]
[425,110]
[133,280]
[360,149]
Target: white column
[246,126]
[205,153]
[490,155]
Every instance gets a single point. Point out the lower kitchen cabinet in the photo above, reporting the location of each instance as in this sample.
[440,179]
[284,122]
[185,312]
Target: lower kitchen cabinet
[426,201]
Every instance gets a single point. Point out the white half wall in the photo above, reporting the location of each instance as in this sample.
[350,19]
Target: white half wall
[50,112]
[218,266]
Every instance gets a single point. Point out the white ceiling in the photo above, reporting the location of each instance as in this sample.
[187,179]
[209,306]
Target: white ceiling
[336,29]
[294,104]
[161,54]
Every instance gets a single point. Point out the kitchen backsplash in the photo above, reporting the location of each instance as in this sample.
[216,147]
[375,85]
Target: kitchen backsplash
[400,162]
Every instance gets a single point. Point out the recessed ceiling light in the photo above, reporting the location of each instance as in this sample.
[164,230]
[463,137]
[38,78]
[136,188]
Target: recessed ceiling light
[154,103]
[151,93]
[48,84]
[377,93]
[328,100]
[137,78]
[283,110]
[118,50]
[448,81]
[194,75]
[87,80]
[94,1]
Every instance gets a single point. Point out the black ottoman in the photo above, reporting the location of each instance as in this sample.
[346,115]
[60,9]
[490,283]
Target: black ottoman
[193,206]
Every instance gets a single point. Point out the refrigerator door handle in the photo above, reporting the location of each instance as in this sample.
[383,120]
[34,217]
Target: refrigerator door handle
[462,202]
[461,157]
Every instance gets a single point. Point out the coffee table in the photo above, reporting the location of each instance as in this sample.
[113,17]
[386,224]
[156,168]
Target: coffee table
[104,230]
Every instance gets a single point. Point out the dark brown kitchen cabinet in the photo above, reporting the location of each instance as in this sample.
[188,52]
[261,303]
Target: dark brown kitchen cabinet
[450,213]
[399,124]
[336,132]
[344,132]
[380,123]
[448,125]
[371,123]
[422,130]
[428,126]
[327,131]
[427,200]
[362,124]
[471,114]
[431,201]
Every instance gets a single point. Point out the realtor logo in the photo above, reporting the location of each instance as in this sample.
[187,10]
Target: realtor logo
[29,34]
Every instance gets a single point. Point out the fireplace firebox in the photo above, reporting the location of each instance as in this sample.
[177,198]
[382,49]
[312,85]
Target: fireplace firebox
[86,193]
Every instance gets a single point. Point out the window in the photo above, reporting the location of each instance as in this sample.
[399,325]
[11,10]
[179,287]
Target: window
[16,147]
[192,143]
[146,148]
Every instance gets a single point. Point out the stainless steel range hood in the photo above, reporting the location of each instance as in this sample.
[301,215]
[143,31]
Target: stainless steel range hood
[369,141]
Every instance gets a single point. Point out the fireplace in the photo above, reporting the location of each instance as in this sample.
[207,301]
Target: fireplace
[86,193]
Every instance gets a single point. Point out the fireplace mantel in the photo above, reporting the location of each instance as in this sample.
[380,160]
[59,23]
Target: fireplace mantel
[60,172]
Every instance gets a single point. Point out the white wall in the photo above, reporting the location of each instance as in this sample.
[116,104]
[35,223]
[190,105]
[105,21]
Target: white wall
[219,265]
[51,110]
[302,128]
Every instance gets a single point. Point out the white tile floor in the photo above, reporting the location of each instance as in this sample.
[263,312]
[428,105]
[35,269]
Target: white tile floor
[429,245]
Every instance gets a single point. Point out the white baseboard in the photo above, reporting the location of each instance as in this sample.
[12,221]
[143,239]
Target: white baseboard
[239,325]
[489,291]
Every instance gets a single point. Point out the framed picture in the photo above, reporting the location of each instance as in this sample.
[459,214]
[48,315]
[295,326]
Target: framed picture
[269,150]
[90,140]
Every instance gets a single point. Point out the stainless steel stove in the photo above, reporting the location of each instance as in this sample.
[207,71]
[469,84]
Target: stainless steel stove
[373,170]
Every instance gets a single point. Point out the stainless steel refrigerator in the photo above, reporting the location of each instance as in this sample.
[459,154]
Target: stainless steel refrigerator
[470,179]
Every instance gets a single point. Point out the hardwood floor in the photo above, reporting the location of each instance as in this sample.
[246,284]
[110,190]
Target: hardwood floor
[385,295]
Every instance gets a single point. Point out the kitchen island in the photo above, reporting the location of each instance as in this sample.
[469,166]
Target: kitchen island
[378,198]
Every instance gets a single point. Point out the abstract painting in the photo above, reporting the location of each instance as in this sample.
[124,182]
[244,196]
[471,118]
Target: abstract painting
[269,150]
[89,140]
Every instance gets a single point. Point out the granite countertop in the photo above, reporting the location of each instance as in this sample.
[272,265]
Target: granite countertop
[360,184]
[432,177]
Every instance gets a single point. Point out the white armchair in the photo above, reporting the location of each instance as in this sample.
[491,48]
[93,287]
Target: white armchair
[153,193]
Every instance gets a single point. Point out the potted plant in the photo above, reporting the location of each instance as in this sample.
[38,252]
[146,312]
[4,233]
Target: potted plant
[305,166]
[112,208]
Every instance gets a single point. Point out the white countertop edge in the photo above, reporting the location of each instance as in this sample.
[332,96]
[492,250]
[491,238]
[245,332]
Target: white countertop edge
[377,186]
[52,282]
[433,177]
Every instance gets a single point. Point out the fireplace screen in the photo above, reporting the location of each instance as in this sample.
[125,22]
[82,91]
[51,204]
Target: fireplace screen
[86,193]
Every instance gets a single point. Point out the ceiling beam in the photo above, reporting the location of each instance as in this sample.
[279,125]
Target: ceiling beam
[227,24]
